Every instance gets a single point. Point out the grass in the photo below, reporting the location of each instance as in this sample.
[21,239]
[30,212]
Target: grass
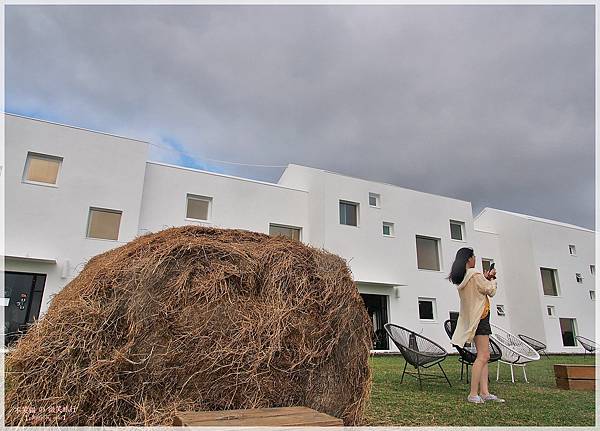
[537,403]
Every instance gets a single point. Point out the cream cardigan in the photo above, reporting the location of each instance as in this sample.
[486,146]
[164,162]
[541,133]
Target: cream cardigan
[472,291]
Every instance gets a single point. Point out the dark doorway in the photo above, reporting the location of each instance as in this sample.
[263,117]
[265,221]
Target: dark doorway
[22,301]
[377,309]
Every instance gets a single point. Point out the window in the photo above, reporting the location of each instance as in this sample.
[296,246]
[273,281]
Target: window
[104,223]
[388,229]
[593,269]
[374,200]
[551,310]
[287,231]
[486,263]
[567,329]
[572,250]
[457,230]
[578,277]
[427,309]
[349,213]
[593,295]
[428,256]
[549,281]
[500,310]
[198,207]
[41,168]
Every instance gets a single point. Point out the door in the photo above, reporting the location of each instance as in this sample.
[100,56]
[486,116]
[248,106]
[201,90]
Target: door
[377,309]
[22,301]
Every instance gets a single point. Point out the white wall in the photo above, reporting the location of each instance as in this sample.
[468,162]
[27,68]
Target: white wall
[98,170]
[236,202]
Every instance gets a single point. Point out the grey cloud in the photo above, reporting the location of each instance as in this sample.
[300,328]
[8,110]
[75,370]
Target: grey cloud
[491,104]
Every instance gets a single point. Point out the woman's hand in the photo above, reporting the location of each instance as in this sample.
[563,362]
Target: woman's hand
[490,274]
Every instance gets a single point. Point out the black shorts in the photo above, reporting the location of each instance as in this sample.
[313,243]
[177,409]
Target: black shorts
[484,327]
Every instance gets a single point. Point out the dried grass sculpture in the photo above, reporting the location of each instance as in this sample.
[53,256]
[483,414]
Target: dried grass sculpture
[195,318]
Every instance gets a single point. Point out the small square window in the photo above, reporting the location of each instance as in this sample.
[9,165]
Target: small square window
[349,213]
[551,310]
[286,231]
[500,310]
[572,250]
[388,229]
[198,207]
[42,168]
[593,295]
[578,277]
[457,230]
[104,223]
[593,269]
[427,309]
[428,254]
[374,200]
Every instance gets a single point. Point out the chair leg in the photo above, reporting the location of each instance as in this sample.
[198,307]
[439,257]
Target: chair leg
[498,371]
[419,373]
[402,379]
[467,372]
[525,374]
[440,365]
[462,364]
[512,375]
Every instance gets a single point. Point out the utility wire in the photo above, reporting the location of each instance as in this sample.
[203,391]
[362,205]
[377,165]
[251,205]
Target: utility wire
[214,160]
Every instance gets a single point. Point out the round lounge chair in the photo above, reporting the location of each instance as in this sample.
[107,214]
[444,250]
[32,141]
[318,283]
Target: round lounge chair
[515,351]
[587,344]
[537,345]
[418,351]
[468,354]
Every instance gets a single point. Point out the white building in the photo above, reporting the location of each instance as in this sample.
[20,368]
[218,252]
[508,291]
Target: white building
[73,193]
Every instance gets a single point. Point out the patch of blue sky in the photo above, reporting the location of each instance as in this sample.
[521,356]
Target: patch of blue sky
[37,113]
[186,158]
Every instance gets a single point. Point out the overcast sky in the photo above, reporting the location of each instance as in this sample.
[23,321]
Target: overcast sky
[490,104]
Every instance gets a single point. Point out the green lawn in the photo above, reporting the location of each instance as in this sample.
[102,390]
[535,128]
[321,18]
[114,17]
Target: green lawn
[537,403]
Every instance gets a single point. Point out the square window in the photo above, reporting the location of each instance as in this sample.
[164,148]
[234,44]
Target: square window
[427,308]
[578,277]
[349,213]
[567,329]
[572,250]
[374,200]
[42,168]
[104,223]
[428,255]
[287,231]
[388,229]
[198,207]
[551,310]
[593,295]
[486,263]
[549,281]
[457,230]
[500,310]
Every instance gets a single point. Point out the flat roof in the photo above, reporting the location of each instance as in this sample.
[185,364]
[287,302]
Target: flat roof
[265,183]
[537,219]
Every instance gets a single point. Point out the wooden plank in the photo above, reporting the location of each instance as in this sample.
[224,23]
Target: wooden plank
[278,416]
[576,384]
[564,371]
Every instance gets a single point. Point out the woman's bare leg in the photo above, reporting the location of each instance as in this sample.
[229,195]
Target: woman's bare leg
[480,366]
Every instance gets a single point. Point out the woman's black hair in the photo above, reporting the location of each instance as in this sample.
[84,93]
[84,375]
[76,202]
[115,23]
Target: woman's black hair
[459,267]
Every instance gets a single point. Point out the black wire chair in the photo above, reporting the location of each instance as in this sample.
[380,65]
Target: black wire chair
[537,345]
[468,354]
[418,351]
[587,344]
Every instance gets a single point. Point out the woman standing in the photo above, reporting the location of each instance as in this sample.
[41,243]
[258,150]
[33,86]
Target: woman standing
[473,322]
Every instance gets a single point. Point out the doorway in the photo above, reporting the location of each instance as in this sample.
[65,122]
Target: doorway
[377,307]
[22,301]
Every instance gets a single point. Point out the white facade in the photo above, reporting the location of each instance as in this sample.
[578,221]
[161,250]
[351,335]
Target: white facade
[46,228]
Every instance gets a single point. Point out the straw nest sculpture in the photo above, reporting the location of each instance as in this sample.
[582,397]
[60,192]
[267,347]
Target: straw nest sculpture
[195,318]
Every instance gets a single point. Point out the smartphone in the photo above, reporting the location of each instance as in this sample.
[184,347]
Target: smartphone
[492,265]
